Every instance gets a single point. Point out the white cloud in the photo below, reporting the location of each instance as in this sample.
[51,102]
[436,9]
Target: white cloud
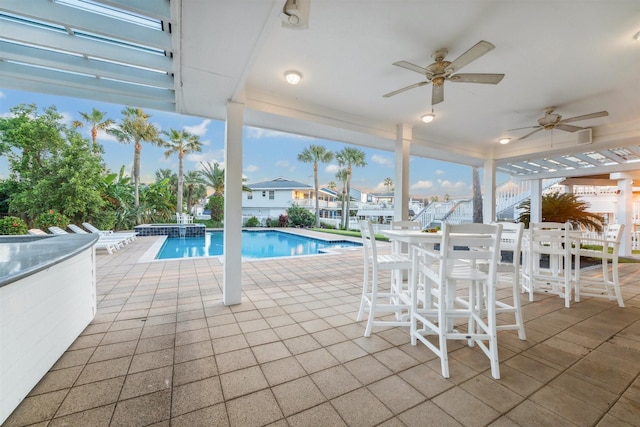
[206,156]
[257,133]
[380,188]
[103,136]
[251,168]
[382,160]
[439,172]
[199,129]
[422,185]
[332,168]
[1,94]
[282,163]
[66,119]
[446,184]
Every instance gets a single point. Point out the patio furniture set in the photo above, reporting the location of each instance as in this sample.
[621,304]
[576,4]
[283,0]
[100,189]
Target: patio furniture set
[107,240]
[443,285]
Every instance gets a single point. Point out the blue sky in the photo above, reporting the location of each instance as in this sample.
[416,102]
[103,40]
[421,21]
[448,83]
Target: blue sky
[267,154]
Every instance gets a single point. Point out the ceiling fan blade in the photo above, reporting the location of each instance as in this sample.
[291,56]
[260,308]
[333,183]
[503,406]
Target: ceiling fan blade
[395,92]
[539,128]
[469,56]
[492,79]
[567,128]
[437,95]
[585,117]
[526,127]
[411,67]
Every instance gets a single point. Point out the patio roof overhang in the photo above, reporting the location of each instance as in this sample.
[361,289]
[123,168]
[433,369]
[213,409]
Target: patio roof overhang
[194,57]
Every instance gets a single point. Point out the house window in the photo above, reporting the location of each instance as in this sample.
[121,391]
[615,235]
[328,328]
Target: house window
[272,195]
[264,194]
[249,196]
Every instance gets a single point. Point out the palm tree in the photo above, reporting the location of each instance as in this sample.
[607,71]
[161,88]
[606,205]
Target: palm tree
[388,183]
[212,175]
[341,175]
[194,189]
[315,154]
[135,127]
[97,121]
[562,207]
[181,142]
[350,157]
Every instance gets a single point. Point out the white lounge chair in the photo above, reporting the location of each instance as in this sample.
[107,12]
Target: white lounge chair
[37,232]
[128,237]
[104,242]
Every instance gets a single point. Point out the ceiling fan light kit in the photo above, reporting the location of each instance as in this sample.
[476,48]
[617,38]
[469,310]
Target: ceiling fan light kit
[293,77]
[552,120]
[440,71]
[428,118]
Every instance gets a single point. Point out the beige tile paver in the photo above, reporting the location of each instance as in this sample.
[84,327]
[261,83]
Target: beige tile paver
[162,350]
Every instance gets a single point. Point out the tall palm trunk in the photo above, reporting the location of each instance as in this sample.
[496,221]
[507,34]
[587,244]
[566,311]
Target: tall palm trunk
[315,186]
[346,213]
[180,179]
[136,174]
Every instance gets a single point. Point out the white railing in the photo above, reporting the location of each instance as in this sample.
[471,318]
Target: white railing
[511,193]
[435,211]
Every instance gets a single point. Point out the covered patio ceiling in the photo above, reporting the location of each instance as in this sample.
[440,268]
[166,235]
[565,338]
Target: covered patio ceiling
[193,57]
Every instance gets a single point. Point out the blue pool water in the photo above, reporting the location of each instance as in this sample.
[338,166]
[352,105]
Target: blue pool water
[255,244]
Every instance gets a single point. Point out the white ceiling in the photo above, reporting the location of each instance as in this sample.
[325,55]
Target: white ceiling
[579,56]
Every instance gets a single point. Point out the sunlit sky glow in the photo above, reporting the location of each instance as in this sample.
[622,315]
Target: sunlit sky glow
[267,154]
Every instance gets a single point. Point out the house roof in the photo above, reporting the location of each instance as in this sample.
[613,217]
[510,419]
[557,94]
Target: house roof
[193,57]
[279,184]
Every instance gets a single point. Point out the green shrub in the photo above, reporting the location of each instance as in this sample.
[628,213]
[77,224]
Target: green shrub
[50,219]
[103,220]
[272,223]
[283,221]
[253,222]
[12,225]
[300,217]
[216,205]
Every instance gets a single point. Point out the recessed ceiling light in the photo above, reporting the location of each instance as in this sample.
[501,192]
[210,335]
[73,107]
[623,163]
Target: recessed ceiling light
[428,118]
[504,140]
[293,77]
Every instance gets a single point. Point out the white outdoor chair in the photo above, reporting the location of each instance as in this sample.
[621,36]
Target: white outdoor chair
[607,286]
[37,232]
[511,241]
[552,240]
[369,302]
[438,299]
[125,237]
[403,249]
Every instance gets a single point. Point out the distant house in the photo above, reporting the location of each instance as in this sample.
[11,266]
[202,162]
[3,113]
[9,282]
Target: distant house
[272,198]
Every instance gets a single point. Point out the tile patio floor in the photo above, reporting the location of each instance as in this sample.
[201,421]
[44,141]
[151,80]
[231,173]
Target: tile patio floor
[164,351]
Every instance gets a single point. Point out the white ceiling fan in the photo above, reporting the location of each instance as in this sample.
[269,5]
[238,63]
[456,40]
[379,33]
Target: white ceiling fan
[551,120]
[441,71]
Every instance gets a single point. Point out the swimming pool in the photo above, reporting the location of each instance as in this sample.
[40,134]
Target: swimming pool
[255,244]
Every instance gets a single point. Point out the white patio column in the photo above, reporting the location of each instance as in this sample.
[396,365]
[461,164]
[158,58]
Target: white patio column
[536,200]
[232,272]
[401,182]
[624,210]
[489,191]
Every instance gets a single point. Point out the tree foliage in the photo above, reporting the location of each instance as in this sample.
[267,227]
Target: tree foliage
[315,154]
[52,166]
[562,207]
[349,157]
[181,142]
[135,128]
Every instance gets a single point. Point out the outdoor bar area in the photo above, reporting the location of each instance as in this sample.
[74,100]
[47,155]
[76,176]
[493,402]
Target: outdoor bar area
[47,298]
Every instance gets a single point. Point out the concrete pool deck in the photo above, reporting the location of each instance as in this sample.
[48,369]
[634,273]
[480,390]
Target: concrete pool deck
[164,351]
